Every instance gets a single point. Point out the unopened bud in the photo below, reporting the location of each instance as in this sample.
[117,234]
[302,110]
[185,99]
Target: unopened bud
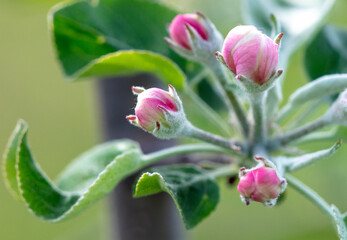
[249,53]
[158,112]
[179,32]
[195,37]
[260,184]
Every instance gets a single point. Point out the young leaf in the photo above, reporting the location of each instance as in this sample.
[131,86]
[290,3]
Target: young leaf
[298,162]
[194,192]
[86,180]
[332,55]
[131,62]
[323,86]
[85,31]
[341,222]
[9,161]
[317,89]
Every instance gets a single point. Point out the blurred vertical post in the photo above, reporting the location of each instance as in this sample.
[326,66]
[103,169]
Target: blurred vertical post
[154,217]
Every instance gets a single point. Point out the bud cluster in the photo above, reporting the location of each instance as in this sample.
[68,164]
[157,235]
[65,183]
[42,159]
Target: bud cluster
[251,56]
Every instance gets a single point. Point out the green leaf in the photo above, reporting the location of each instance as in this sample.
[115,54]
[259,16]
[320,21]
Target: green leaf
[323,86]
[193,190]
[332,55]
[341,222]
[83,32]
[318,89]
[298,162]
[87,179]
[132,62]
[9,161]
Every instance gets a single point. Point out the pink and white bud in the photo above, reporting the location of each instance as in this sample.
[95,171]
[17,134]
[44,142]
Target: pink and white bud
[261,184]
[157,111]
[178,28]
[250,53]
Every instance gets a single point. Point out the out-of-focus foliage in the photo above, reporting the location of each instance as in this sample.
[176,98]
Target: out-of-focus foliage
[327,54]
[84,31]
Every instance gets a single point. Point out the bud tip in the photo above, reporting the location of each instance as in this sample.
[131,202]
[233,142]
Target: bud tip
[131,117]
[137,90]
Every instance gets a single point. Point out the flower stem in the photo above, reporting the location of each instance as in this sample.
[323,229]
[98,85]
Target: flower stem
[197,133]
[297,133]
[182,149]
[239,113]
[209,112]
[310,195]
[197,79]
[259,133]
[219,73]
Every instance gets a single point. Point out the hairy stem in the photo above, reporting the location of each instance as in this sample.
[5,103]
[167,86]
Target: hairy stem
[197,79]
[182,149]
[310,195]
[209,112]
[220,74]
[259,133]
[239,113]
[194,132]
[297,133]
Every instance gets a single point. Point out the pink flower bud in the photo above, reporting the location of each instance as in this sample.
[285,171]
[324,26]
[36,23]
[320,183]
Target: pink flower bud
[248,52]
[151,107]
[178,30]
[260,184]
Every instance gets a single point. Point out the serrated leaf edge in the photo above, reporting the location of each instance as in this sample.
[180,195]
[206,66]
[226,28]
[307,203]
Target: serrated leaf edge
[14,193]
[70,212]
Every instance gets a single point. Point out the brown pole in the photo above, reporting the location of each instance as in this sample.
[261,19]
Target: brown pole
[149,218]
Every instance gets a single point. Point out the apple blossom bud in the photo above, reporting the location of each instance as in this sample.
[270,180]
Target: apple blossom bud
[249,53]
[178,28]
[158,112]
[260,184]
[194,36]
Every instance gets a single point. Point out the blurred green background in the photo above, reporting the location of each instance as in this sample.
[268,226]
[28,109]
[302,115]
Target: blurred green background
[63,119]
